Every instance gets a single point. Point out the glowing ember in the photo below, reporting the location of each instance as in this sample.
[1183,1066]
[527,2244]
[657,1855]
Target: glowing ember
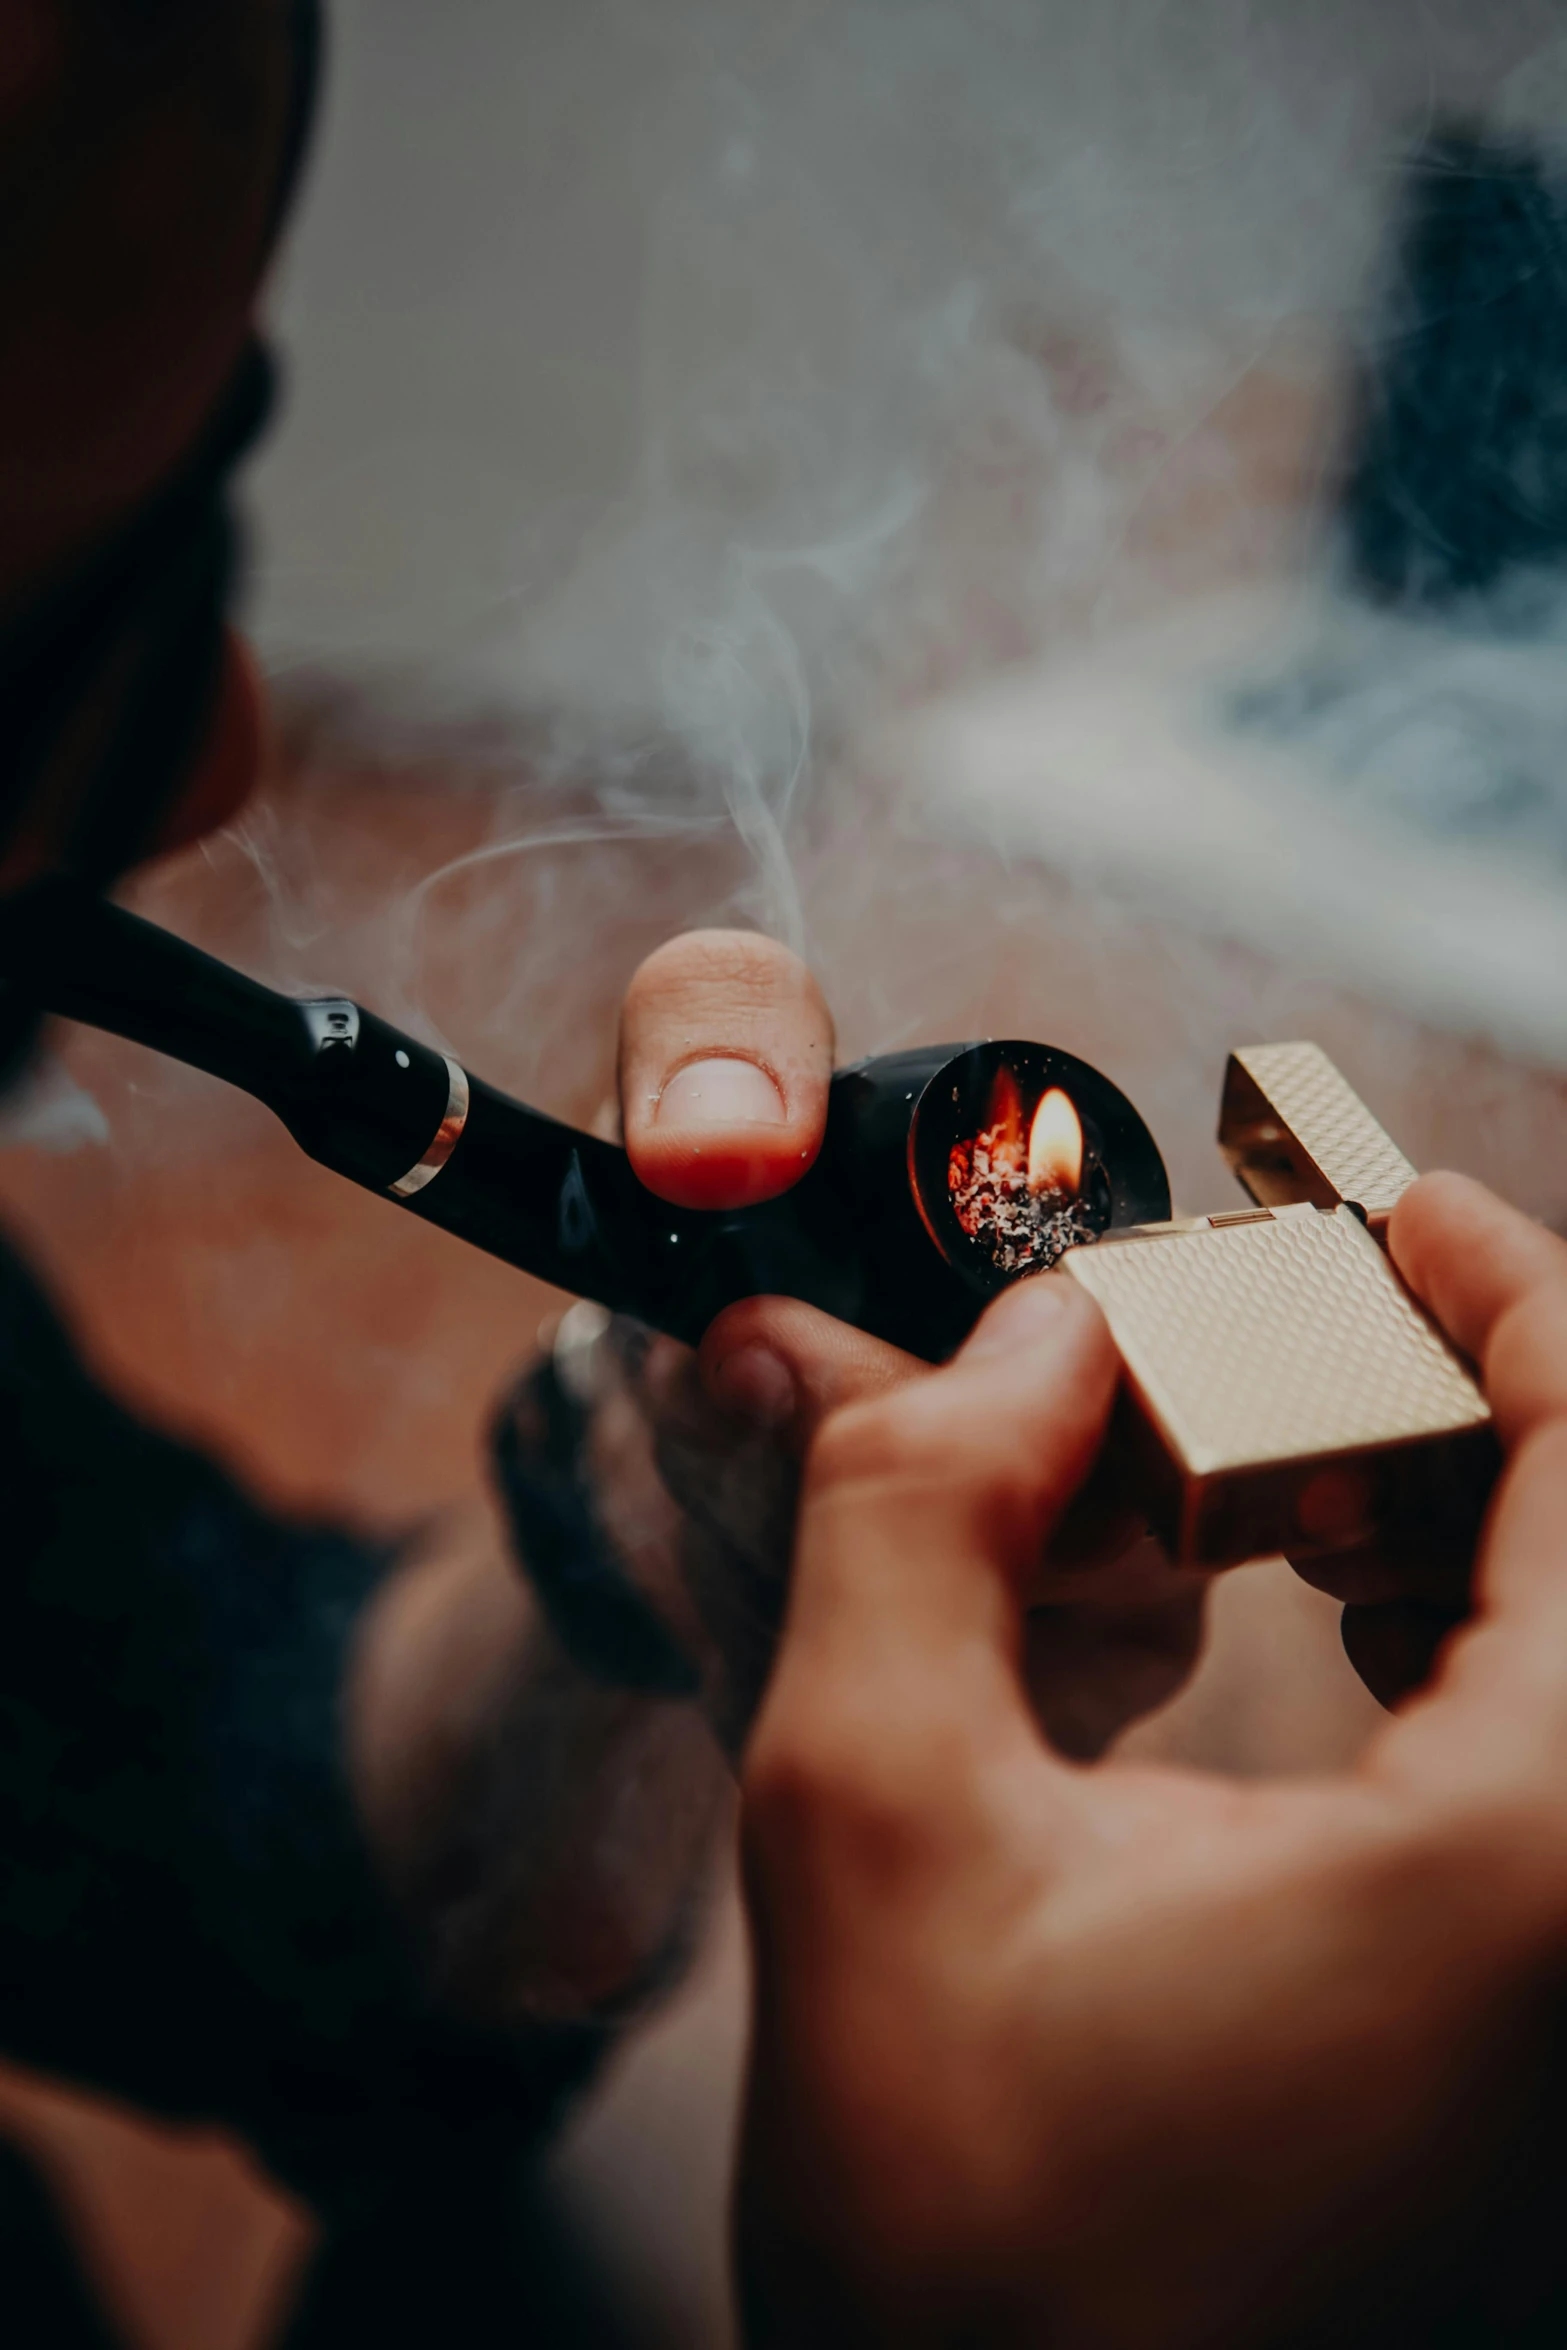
[1017,1196]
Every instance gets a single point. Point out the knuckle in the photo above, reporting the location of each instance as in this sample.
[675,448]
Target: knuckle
[1543,1451]
[1440,1190]
[875,1442]
[800,1774]
[1430,1201]
[928,1436]
[1526,1361]
[816,1786]
[922,1469]
[791,1776]
[1500,1857]
[751,1321]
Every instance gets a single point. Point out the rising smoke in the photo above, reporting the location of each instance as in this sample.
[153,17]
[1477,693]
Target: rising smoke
[678,390]
[718,374]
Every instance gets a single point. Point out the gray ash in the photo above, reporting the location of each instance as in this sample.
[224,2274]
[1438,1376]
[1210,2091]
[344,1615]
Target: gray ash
[1024,1231]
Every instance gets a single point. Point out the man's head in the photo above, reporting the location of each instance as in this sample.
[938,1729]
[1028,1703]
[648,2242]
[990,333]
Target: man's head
[144,149]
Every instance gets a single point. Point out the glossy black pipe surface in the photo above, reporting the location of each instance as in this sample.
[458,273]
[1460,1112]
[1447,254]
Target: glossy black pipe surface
[404,1120]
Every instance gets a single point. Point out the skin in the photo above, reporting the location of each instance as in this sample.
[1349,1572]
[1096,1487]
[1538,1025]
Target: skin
[1481,1267]
[138,166]
[1097,2057]
[462,1707]
[1128,2057]
[139,161]
[1105,2056]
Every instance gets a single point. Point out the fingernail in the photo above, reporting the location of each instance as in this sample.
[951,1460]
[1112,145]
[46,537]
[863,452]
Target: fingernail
[756,1385]
[723,1091]
[1022,1316]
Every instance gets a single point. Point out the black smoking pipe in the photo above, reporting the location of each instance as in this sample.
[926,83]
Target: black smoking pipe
[869,1234]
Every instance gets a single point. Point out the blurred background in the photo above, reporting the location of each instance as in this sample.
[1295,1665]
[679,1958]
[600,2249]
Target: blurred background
[1059,514]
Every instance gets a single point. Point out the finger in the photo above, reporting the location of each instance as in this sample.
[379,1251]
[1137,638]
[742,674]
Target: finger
[775,1364]
[1096,1666]
[726,1052]
[1402,1595]
[1472,1258]
[779,1367]
[769,1370]
[1523,1573]
[1394,1644]
[923,1516]
[1098,1525]
[1392,1568]
[1499,1708]
[736,1489]
[1498,1285]
[1526,1361]
[731,1422]
[733,1464]
[726,1473]
[1469,1255]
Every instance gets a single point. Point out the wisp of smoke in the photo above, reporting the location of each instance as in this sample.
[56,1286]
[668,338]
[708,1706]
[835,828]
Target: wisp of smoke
[717,376]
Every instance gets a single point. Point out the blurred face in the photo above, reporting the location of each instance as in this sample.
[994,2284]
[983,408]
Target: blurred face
[141,148]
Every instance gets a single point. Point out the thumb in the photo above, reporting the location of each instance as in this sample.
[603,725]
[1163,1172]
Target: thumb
[783,1366]
[923,1516]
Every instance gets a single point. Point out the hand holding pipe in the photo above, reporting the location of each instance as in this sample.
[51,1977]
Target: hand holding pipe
[868,1234]
[1282,1390]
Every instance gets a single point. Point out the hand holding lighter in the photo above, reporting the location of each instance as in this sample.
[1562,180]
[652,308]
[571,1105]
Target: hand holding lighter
[1282,1389]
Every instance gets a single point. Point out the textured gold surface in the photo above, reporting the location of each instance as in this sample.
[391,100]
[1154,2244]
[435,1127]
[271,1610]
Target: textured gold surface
[1284,1337]
[1327,1121]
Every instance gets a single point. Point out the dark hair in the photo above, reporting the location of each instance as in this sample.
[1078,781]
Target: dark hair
[109,681]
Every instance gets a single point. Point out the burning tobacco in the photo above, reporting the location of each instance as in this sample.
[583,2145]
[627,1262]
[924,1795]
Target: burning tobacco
[946,1171]
[1017,1190]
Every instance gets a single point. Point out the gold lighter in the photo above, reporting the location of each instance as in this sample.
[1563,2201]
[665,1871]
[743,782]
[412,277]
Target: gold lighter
[1282,1389]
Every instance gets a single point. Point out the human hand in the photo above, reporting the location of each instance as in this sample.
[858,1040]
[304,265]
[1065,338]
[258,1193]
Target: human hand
[1497,1284]
[535,1787]
[1134,2057]
[726,1055]
[726,1052]
[682,1472]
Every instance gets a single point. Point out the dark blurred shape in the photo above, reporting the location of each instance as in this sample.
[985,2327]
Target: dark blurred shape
[45,2304]
[479,2257]
[1459,473]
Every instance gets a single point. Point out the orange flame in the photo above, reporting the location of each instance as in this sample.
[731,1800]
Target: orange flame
[1004,1125]
[1055,1145]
